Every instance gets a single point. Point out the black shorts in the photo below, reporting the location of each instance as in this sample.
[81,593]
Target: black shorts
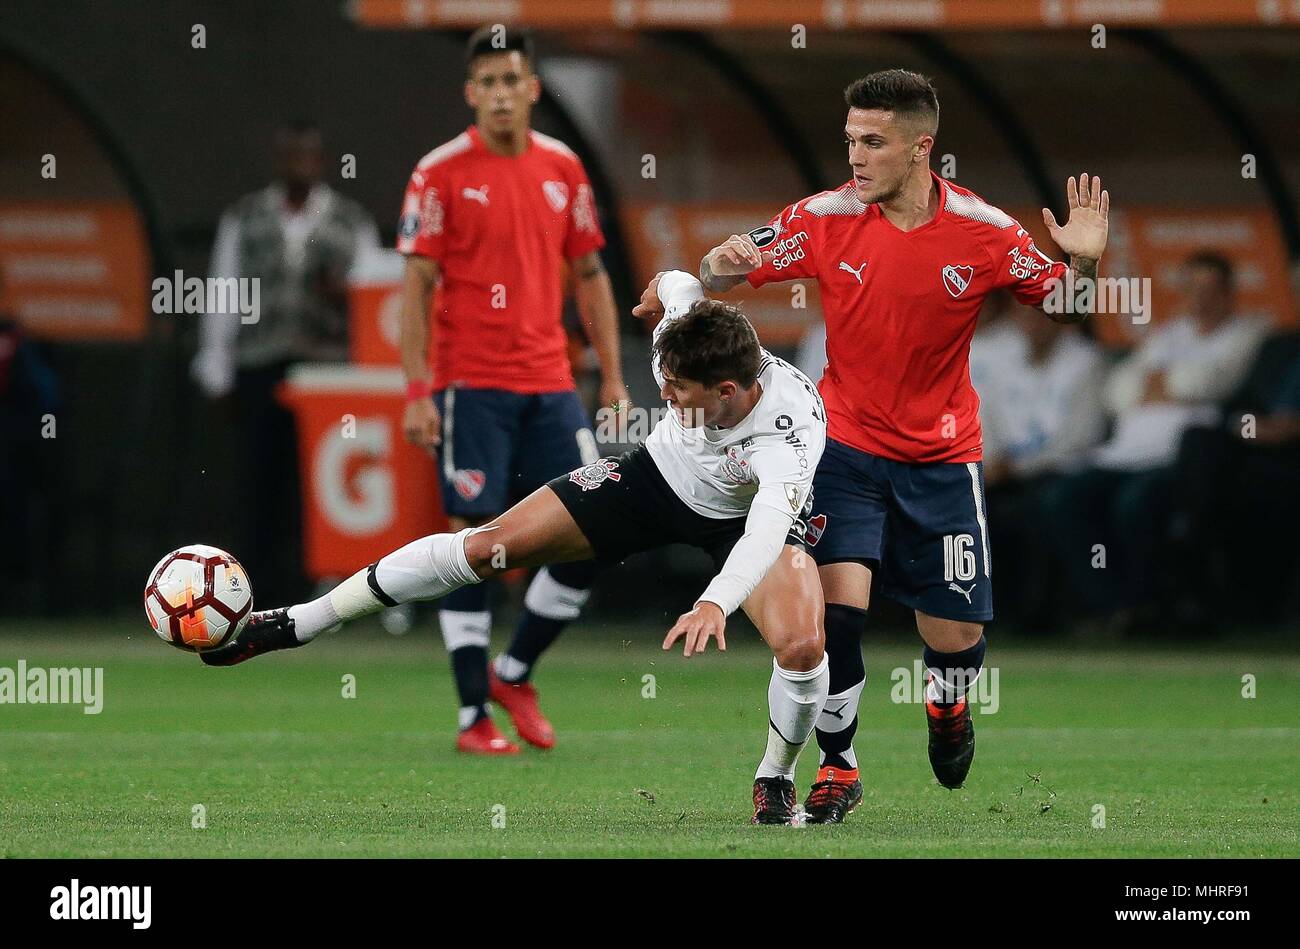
[624,506]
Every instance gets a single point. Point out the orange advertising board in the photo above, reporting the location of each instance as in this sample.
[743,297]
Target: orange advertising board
[76,270]
[676,236]
[366,491]
[825,14]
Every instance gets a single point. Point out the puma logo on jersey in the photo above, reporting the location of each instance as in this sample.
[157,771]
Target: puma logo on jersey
[857,273]
[966,593]
[476,194]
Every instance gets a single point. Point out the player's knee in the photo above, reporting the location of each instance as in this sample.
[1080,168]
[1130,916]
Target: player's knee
[485,554]
[801,652]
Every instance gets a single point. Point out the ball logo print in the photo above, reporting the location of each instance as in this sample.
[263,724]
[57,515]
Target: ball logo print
[198,597]
[957,277]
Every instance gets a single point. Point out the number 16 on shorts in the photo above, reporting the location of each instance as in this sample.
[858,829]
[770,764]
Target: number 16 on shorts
[958,557]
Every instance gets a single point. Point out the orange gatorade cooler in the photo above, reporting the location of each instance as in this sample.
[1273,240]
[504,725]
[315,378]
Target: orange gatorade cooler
[366,491]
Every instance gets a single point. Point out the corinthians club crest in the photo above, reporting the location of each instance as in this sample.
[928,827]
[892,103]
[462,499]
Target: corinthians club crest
[736,468]
[590,477]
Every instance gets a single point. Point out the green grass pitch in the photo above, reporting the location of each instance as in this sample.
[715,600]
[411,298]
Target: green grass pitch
[284,765]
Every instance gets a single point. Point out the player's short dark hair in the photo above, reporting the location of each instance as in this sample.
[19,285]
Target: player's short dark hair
[711,343]
[1213,260]
[498,38]
[899,91]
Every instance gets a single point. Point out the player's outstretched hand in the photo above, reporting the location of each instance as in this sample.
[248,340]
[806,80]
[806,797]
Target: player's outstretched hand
[734,257]
[650,304]
[1084,234]
[421,424]
[707,619]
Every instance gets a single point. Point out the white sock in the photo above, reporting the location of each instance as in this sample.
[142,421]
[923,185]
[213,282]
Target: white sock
[794,700]
[424,569]
[509,669]
[427,568]
[462,628]
[312,619]
[840,712]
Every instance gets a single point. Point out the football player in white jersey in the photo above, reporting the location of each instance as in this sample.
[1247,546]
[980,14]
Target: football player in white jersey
[728,470]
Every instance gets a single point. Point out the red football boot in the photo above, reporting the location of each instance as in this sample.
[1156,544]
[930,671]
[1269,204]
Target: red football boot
[483,738]
[520,702]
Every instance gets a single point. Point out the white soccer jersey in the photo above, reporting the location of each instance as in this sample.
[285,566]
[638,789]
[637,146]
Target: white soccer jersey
[768,459]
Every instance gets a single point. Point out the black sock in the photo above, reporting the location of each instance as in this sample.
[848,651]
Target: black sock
[465,620]
[844,627]
[954,672]
[469,666]
[549,607]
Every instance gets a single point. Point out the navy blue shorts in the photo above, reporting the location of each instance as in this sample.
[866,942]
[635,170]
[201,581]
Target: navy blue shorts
[498,446]
[921,527]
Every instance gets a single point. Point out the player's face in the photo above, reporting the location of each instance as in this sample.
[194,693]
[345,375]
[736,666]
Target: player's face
[695,403]
[300,159]
[502,90]
[883,150]
[1207,294]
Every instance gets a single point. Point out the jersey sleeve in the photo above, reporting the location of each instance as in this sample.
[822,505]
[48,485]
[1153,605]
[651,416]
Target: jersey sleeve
[423,222]
[584,234]
[786,246]
[678,290]
[1025,270]
[783,467]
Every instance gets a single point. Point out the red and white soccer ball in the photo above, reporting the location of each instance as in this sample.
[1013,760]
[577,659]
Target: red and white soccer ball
[198,597]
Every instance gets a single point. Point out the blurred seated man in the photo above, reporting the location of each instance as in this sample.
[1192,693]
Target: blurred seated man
[1109,522]
[1258,509]
[299,238]
[1040,409]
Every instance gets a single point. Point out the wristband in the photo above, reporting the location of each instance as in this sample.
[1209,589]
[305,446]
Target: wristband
[420,389]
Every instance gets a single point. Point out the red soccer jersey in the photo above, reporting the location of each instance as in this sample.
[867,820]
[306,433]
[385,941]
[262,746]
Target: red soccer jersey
[900,311]
[500,229]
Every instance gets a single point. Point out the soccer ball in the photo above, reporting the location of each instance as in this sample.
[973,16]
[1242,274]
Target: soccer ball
[198,597]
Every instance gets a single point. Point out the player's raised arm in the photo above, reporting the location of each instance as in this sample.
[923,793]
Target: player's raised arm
[727,264]
[1083,238]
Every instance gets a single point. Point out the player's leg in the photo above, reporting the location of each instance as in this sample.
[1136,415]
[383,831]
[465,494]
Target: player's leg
[535,531]
[939,563]
[787,607]
[845,534]
[554,438]
[479,431]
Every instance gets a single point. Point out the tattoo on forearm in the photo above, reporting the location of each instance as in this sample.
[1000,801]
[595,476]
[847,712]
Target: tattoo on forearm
[592,270]
[716,283]
[1083,272]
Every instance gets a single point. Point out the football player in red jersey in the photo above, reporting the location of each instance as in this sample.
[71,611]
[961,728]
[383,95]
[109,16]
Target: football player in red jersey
[904,260]
[494,216]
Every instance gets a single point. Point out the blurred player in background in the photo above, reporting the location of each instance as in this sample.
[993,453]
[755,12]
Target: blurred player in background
[904,260]
[299,238]
[493,216]
[729,471]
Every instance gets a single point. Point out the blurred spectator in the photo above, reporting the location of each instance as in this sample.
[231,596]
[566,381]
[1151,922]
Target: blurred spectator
[300,239]
[29,397]
[1040,411]
[1110,521]
[1236,507]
